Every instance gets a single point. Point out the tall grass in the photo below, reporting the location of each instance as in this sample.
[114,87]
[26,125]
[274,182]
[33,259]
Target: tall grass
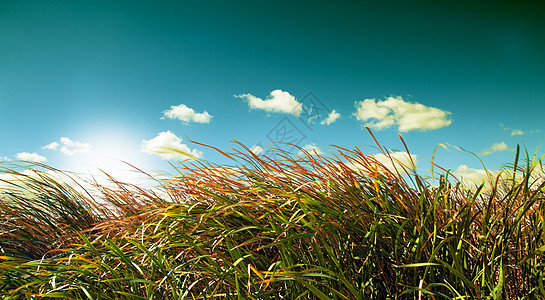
[297,227]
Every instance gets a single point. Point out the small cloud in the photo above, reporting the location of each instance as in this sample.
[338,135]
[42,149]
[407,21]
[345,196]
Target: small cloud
[30,156]
[73,147]
[331,117]
[538,176]
[256,149]
[517,132]
[68,146]
[168,146]
[51,146]
[513,131]
[312,149]
[186,114]
[471,177]
[395,111]
[401,162]
[496,147]
[277,102]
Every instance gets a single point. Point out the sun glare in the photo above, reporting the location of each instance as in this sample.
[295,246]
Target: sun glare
[114,152]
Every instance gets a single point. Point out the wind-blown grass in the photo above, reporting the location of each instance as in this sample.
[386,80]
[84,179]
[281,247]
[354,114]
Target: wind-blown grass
[299,227]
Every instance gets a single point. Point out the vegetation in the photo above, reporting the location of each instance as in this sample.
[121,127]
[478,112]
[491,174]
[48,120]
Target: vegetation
[296,227]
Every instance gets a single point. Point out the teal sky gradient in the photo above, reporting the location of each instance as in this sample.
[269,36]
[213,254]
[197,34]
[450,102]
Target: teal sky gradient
[103,73]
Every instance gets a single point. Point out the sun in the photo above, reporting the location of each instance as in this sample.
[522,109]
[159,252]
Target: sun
[115,151]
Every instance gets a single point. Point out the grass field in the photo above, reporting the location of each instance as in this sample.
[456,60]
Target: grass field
[299,227]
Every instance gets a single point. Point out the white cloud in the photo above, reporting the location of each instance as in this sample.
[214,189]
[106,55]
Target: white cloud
[331,117]
[73,147]
[496,147]
[167,145]
[395,111]
[397,160]
[278,101]
[517,132]
[30,156]
[312,149]
[537,176]
[470,177]
[513,131]
[69,147]
[51,146]
[186,114]
[400,162]
[256,149]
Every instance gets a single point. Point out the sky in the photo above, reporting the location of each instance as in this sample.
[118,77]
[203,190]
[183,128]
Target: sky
[85,85]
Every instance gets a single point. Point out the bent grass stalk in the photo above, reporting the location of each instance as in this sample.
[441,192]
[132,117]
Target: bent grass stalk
[299,227]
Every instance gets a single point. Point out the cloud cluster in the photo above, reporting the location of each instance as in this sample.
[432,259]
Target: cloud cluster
[51,146]
[168,146]
[513,131]
[256,149]
[186,114]
[517,132]
[312,149]
[400,161]
[331,117]
[68,146]
[277,102]
[30,156]
[496,147]
[471,178]
[395,111]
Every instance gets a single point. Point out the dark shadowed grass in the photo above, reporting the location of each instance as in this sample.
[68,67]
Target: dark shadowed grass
[298,227]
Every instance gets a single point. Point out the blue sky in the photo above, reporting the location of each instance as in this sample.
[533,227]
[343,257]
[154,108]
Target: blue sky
[84,84]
